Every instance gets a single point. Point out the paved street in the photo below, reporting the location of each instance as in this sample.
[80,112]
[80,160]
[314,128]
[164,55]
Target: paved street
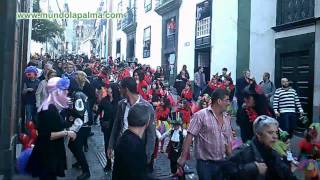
[97,160]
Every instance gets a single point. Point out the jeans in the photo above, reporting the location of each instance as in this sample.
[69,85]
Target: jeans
[197,92]
[31,112]
[209,170]
[288,122]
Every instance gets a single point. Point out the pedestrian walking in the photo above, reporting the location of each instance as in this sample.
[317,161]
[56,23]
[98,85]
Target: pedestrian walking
[211,129]
[128,90]
[108,107]
[285,104]
[130,153]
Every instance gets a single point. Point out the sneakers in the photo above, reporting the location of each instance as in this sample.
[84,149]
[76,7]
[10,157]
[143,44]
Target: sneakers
[84,176]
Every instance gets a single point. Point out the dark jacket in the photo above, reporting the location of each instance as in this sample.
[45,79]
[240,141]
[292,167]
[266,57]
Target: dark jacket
[241,165]
[240,85]
[149,135]
[48,156]
[30,97]
[130,158]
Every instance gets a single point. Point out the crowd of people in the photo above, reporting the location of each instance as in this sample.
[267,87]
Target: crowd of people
[142,115]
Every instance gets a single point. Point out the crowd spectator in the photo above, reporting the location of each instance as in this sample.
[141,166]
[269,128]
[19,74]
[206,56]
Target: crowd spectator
[268,87]
[241,83]
[285,104]
[199,82]
[258,160]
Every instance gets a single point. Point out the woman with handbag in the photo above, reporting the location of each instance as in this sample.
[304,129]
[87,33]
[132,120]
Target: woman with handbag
[107,110]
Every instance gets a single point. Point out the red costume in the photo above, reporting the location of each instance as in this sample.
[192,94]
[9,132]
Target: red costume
[187,94]
[162,113]
[186,114]
[142,89]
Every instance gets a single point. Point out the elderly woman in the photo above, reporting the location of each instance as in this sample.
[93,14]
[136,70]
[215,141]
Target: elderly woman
[48,158]
[258,160]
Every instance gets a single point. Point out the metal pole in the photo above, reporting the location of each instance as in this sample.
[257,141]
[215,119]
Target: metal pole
[29,33]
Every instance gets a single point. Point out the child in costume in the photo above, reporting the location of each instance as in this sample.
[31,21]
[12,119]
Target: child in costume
[310,152]
[162,114]
[187,93]
[176,135]
[186,113]
[310,145]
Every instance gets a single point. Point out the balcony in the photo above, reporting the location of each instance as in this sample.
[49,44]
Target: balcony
[165,6]
[294,13]
[129,23]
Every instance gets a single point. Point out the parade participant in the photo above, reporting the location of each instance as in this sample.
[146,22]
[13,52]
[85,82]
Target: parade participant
[148,77]
[224,74]
[108,108]
[181,80]
[42,92]
[228,85]
[185,110]
[309,146]
[202,103]
[211,129]
[258,160]
[162,113]
[30,86]
[142,85]
[213,84]
[48,158]
[78,117]
[128,89]
[130,153]
[176,135]
[255,105]
[159,75]
[187,93]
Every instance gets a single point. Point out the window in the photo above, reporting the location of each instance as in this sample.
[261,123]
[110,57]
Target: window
[118,48]
[171,33]
[146,42]
[147,5]
[203,27]
[203,19]
[119,11]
